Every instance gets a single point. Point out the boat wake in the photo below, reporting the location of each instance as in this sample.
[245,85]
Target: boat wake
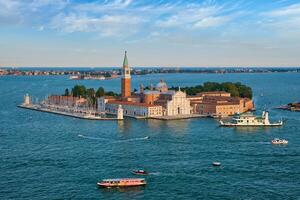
[132,139]
[118,141]
[155,173]
[263,142]
[91,138]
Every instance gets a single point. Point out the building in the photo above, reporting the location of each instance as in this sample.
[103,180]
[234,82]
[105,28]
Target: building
[219,104]
[158,101]
[69,101]
[126,79]
[174,103]
[133,109]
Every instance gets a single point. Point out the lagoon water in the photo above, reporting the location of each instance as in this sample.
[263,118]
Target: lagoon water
[46,156]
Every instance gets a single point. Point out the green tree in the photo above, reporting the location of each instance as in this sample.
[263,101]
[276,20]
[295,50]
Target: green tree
[79,90]
[100,92]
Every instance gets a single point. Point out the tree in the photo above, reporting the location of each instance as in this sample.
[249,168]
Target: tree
[91,96]
[79,90]
[90,92]
[235,89]
[100,92]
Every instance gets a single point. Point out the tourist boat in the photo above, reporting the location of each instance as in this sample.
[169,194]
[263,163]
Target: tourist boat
[279,141]
[216,164]
[248,119]
[122,182]
[140,172]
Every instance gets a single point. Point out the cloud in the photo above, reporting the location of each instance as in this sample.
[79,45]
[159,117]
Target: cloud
[112,18]
[211,22]
[284,21]
[292,10]
[106,25]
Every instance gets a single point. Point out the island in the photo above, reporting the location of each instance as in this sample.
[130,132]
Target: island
[161,102]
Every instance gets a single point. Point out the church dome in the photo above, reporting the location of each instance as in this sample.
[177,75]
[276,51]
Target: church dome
[162,86]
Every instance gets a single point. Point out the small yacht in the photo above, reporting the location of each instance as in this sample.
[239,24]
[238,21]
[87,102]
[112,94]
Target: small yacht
[279,141]
[140,172]
[122,182]
[248,119]
[216,164]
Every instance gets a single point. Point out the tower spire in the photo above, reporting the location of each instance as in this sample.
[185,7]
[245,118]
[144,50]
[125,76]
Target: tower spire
[125,83]
[125,62]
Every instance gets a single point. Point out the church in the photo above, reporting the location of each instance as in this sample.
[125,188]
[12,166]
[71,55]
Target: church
[153,102]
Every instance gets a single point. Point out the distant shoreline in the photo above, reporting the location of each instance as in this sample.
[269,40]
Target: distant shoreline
[114,72]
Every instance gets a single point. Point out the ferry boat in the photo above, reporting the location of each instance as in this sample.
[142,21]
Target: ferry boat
[122,182]
[279,141]
[248,119]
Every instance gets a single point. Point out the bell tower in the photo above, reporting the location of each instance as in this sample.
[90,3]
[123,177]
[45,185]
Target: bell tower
[125,81]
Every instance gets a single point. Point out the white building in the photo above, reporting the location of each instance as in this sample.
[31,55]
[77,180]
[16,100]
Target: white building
[174,103]
[133,109]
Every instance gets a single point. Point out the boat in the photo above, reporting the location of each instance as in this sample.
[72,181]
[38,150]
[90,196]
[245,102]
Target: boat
[140,172]
[216,164]
[122,182]
[74,77]
[248,119]
[279,141]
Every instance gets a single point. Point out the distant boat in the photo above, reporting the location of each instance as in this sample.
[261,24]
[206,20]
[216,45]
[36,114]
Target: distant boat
[140,172]
[279,141]
[75,77]
[122,182]
[248,119]
[216,164]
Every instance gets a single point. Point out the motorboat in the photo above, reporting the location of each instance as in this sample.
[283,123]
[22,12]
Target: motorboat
[140,172]
[216,164]
[122,182]
[279,141]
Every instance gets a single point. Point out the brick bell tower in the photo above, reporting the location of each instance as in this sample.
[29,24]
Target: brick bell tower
[125,81]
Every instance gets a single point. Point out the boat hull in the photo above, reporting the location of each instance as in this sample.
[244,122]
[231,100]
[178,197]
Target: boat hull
[120,185]
[127,182]
[249,125]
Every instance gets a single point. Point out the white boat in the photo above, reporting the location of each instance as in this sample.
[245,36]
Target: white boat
[279,141]
[248,119]
[216,164]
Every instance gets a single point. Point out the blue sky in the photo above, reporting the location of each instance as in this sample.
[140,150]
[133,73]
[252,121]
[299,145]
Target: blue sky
[154,32]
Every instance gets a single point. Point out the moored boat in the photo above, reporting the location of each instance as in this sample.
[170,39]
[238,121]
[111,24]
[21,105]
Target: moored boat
[122,182]
[279,141]
[248,119]
[140,172]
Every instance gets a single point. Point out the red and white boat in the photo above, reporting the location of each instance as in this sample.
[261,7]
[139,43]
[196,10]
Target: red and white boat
[122,182]
[279,141]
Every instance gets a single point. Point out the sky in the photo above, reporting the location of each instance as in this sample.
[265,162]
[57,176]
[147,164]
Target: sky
[176,33]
